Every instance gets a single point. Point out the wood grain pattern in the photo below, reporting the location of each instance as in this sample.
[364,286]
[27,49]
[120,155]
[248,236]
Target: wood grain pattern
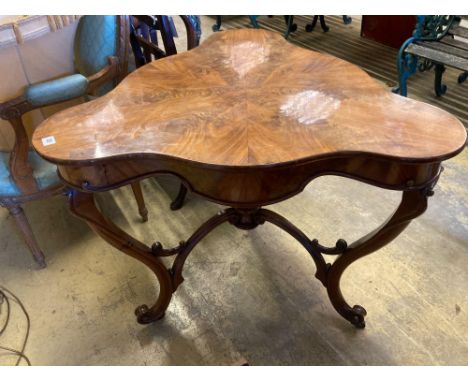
[249,98]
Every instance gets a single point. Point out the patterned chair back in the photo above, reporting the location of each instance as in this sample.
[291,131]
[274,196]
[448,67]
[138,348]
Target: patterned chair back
[96,39]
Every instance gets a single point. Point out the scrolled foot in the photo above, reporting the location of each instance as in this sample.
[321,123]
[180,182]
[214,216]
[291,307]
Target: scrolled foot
[357,318]
[146,316]
[82,205]
[40,261]
[413,204]
[176,205]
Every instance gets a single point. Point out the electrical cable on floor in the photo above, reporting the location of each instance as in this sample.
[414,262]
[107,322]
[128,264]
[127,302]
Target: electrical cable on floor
[5,296]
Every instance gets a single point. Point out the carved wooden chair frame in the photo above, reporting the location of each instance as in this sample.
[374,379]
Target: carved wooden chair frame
[161,23]
[20,170]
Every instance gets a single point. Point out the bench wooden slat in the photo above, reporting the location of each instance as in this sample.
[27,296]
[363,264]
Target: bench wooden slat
[459,31]
[450,50]
[438,56]
[448,40]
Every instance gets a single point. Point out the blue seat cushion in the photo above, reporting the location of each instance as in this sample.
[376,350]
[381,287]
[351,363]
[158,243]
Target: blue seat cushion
[44,172]
[61,89]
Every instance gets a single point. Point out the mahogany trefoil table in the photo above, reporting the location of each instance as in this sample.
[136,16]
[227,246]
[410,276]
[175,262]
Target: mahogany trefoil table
[247,120]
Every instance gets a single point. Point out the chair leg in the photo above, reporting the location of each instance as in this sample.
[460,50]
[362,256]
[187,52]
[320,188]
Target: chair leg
[253,21]
[407,65]
[310,27]
[290,25]
[216,27]
[323,25]
[22,222]
[402,87]
[439,87]
[462,77]
[347,19]
[136,188]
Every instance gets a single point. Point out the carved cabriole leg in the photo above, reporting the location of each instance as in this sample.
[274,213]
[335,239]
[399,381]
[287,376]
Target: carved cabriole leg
[413,204]
[22,222]
[83,206]
[178,202]
[136,188]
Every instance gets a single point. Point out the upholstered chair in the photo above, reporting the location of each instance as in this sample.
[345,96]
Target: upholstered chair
[144,42]
[101,62]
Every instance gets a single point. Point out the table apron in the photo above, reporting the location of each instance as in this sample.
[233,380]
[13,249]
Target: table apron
[250,186]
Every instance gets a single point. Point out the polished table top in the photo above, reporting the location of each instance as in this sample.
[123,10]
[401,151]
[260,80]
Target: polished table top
[249,98]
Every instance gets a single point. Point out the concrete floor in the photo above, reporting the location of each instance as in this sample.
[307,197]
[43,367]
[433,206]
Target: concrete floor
[247,295]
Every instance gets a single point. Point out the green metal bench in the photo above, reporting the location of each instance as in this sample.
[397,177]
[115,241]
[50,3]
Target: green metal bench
[435,43]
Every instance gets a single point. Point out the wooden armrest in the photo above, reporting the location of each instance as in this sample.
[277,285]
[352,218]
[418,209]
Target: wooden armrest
[12,111]
[106,74]
[15,108]
[150,47]
[20,170]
